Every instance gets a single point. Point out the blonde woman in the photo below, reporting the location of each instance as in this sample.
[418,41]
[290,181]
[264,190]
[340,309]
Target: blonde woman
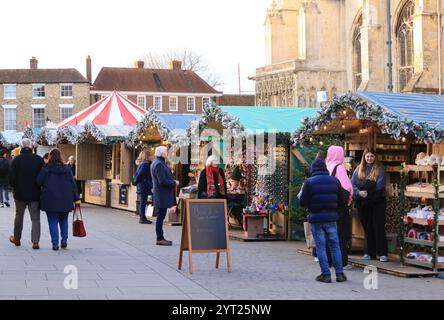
[369,189]
[142,178]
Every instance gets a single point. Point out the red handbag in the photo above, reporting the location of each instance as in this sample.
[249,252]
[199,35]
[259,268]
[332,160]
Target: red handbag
[78,228]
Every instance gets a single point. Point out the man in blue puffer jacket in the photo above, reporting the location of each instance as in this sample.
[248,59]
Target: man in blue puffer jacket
[322,195]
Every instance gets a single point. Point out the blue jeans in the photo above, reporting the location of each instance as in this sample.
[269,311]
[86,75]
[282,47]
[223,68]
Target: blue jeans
[142,205]
[4,194]
[54,220]
[323,232]
[161,213]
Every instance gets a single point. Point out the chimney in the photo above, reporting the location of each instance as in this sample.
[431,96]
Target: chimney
[33,63]
[175,65]
[140,64]
[88,69]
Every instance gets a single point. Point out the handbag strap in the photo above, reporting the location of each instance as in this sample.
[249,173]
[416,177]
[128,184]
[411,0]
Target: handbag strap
[74,213]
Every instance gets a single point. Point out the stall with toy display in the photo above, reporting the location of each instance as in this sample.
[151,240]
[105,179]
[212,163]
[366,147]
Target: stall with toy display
[374,120]
[422,243]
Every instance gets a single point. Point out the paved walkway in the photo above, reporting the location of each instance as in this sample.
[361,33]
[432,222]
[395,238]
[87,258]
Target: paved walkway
[119,260]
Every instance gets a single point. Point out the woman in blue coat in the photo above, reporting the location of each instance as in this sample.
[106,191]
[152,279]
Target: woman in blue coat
[142,178]
[164,191]
[57,197]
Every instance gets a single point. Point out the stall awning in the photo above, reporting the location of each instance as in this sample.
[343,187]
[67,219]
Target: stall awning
[420,115]
[112,110]
[11,137]
[419,108]
[281,119]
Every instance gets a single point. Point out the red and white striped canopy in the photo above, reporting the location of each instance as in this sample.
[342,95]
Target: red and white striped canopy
[112,110]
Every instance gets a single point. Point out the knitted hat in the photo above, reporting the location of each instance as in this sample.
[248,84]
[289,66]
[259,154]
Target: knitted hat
[236,175]
[16,152]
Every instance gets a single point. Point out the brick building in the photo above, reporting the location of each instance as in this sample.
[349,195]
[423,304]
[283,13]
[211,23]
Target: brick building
[30,97]
[172,90]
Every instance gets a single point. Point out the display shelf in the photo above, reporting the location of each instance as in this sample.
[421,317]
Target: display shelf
[425,195]
[423,222]
[423,188]
[426,243]
[416,168]
[424,264]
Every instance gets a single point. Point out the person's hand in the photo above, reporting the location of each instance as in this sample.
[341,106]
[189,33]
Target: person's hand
[363,194]
[177,182]
[173,209]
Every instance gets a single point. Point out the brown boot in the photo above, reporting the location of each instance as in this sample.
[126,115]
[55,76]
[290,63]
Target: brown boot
[16,242]
[35,245]
[164,243]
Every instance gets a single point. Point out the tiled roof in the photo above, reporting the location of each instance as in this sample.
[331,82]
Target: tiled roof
[151,80]
[236,100]
[41,76]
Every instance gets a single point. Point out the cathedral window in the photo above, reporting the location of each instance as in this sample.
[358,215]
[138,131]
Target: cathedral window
[404,37]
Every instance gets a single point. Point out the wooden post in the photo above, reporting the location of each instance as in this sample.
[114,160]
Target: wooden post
[217,260]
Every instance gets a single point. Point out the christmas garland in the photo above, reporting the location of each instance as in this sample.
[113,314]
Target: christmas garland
[212,111]
[150,118]
[388,122]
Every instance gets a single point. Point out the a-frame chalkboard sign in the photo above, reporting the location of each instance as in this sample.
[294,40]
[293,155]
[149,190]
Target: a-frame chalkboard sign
[205,229]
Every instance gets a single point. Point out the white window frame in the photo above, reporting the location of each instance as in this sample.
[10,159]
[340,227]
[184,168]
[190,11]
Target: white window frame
[4,91]
[144,101]
[203,102]
[194,104]
[37,106]
[9,107]
[72,89]
[177,103]
[161,103]
[44,89]
[65,106]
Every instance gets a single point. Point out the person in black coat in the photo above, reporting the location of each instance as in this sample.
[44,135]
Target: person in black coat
[212,183]
[322,195]
[23,179]
[4,183]
[58,195]
[164,191]
[142,178]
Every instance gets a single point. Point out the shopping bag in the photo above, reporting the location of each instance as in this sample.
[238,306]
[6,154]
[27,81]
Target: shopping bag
[149,212]
[78,227]
[309,236]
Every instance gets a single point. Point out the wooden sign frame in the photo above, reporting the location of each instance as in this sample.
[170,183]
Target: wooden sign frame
[186,244]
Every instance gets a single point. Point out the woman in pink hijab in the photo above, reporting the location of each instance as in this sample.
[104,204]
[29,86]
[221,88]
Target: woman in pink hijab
[335,165]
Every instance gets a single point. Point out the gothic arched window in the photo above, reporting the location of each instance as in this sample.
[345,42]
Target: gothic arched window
[301,97]
[312,98]
[404,37]
[357,62]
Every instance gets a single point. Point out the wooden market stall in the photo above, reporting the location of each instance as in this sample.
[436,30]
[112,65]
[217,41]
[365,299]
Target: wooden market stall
[96,136]
[403,129]
[156,129]
[267,192]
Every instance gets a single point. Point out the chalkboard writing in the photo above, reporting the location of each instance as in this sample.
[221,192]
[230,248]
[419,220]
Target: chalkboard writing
[108,158]
[205,229]
[207,222]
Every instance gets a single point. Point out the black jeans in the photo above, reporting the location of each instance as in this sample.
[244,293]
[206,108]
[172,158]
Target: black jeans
[373,221]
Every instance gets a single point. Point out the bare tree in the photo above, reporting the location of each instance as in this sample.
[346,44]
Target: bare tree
[191,60]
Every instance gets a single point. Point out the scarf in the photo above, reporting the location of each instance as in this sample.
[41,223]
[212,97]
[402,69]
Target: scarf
[211,186]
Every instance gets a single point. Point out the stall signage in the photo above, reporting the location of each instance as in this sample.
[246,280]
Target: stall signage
[123,194]
[95,188]
[205,229]
[108,158]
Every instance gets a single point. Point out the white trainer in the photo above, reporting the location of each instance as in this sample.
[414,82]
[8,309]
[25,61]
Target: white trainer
[366,257]
[316,259]
[383,258]
[348,267]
